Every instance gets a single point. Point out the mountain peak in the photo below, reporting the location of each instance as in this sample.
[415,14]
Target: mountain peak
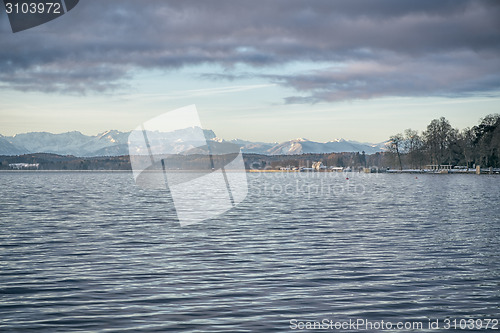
[100,135]
[110,135]
[115,143]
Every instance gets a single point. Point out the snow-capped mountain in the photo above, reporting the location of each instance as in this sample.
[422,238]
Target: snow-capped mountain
[70,143]
[253,147]
[305,146]
[7,148]
[115,143]
[43,142]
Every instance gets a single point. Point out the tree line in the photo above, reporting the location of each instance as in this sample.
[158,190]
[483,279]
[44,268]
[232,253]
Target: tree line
[442,144]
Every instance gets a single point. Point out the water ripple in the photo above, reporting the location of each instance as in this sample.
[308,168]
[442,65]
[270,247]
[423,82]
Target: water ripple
[92,252]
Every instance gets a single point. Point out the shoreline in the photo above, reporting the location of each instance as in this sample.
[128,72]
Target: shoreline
[61,170]
[429,172]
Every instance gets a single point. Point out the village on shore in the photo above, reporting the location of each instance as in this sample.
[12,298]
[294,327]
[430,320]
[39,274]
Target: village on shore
[318,166]
[433,169]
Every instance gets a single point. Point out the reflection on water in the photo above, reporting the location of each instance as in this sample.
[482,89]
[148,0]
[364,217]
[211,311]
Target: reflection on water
[93,252]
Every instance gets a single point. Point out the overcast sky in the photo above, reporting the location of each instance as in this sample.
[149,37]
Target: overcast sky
[258,70]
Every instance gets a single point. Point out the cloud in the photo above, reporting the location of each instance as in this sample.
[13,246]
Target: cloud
[376,48]
[449,75]
[196,92]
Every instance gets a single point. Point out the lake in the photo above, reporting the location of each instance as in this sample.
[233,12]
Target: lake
[92,252]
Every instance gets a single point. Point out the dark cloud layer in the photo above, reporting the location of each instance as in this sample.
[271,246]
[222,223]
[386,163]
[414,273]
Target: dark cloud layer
[375,48]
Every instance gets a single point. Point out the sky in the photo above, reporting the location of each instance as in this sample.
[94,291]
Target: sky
[266,71]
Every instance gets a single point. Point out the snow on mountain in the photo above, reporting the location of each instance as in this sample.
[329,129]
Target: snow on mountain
[252,147]
[7,148]
[304,146]
[383,146]
[44,142]
[70,143]
[115,143]
[109,143]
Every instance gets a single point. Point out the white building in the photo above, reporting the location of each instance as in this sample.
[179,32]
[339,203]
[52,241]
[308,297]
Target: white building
[21,166]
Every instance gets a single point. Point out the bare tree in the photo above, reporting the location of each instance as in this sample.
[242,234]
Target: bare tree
[487,140]
[438,138]
[396,146]
[413,147]
[466,143]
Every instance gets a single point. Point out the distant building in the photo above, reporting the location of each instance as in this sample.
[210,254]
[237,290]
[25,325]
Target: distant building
[436,167]
[24,166]
[336,169]
[318,166]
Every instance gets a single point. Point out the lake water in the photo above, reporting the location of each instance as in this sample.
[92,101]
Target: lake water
[93,252]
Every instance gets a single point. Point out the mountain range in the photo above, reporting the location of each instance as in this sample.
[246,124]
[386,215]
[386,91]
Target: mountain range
[115,143]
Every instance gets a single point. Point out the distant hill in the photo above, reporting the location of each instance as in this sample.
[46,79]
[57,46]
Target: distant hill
[47,161]
[115,143]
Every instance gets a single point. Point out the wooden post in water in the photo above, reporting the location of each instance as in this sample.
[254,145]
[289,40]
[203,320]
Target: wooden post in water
[478,169]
